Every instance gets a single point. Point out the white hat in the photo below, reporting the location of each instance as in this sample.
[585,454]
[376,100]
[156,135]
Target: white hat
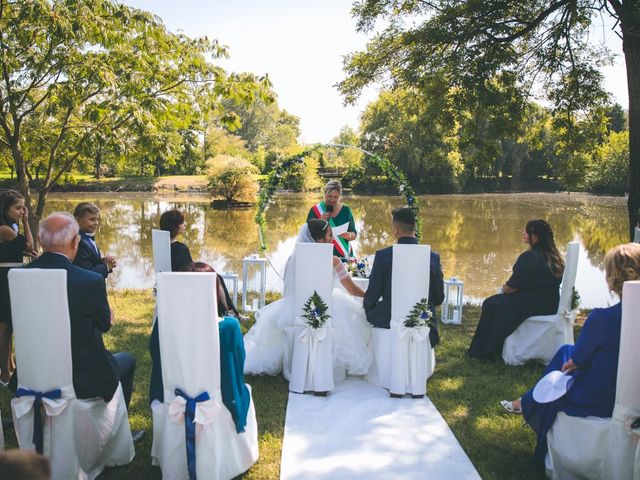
[552,386]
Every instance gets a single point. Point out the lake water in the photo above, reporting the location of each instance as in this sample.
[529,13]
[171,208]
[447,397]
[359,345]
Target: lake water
[478,236]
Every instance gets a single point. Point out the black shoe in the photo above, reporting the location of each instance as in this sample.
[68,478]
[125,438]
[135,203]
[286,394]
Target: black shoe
[137,435]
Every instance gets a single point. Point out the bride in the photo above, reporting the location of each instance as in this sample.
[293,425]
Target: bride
[269,346]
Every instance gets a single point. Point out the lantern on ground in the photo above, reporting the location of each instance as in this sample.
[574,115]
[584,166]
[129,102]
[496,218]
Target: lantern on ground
[254,282]
[231,281]
[453,299]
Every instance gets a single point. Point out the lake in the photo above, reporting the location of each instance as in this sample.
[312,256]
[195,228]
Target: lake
[478,236]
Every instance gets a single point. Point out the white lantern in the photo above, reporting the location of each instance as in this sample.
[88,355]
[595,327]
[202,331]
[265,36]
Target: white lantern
[453,300]
[254,282]
[231,281]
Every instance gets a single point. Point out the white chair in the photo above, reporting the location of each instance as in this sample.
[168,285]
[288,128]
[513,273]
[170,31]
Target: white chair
[538,338]
[605,448]
[403,359]
[636,237]
[161,246]
[312,362]
[190,350]
[80,437]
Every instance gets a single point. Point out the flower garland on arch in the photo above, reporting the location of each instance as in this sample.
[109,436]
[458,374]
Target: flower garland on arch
[275,177]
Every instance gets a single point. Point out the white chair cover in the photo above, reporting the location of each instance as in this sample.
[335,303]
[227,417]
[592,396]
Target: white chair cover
[312,361]
[599,448]
[403,359]
[190,351]
[161,246]
[81,437]
[538,338]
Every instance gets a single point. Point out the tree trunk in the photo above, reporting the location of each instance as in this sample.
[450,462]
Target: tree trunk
[98,171]
[23,184]
[631,47]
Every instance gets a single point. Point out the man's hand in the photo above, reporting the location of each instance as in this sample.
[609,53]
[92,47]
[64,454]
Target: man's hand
[110,262]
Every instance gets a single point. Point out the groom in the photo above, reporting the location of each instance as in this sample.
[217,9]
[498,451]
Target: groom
[378,309]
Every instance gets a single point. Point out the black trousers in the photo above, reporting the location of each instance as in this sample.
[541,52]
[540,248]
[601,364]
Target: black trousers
[125,367]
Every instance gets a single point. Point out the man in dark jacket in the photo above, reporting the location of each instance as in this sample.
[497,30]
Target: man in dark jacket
[377,300]
[96,372]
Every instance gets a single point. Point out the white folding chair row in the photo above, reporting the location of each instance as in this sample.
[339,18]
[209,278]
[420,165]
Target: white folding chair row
[599,448]
[539,337]
[193,414]
[403,358]
[80,437]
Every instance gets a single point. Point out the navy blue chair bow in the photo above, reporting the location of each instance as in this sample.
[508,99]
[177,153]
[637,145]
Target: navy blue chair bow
[190,428]
[37,411]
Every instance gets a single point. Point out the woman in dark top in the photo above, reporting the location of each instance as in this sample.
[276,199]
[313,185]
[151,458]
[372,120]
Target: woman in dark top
[173,222]
[531,290]
[592,361]
[13,246]
[338,215]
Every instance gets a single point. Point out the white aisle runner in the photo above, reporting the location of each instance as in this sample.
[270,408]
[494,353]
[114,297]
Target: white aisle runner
[358,432]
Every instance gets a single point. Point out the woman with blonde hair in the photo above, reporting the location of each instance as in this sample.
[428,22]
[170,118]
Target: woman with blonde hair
[592,361]
[339,217]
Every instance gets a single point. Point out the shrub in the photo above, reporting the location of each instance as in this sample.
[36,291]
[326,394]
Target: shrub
[233,179]
[608,172]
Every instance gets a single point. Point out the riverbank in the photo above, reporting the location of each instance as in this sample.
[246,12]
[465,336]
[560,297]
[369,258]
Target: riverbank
[465,391]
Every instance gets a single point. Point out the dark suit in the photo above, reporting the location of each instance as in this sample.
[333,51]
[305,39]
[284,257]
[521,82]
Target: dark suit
[379,310]
[96,372]
[88,256]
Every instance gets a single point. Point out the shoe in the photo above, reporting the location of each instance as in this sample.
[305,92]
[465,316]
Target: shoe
[137,435]
[395,395]
[508,406]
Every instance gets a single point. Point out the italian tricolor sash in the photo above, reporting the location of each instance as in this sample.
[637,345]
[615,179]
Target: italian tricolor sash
[340,244]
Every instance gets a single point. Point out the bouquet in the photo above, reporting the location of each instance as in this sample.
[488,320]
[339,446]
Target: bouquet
[358,267]
[420,316]
[315,311]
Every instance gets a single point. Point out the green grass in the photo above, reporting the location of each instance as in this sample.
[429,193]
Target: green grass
[466,392]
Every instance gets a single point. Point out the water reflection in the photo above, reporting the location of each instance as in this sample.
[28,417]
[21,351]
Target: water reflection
[477,236]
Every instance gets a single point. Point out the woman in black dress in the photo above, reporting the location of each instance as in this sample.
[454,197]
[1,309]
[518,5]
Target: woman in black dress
[173,222]
[13,246]
[533,289]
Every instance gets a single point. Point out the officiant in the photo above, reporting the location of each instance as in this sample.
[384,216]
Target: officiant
[339,217]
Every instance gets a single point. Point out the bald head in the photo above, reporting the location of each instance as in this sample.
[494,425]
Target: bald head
[58,233]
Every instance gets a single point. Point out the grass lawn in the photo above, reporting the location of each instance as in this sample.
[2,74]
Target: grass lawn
[466,392]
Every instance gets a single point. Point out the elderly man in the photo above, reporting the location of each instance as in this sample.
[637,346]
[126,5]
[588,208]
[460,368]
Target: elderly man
[96,372]
[379,310]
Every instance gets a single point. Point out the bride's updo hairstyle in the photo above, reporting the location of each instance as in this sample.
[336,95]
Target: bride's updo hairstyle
[317,228]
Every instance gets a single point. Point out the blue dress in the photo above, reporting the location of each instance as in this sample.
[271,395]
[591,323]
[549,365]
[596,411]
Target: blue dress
[593,392]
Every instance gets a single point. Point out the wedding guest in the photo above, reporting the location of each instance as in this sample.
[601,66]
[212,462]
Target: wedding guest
[89,257]
[338,215]
[378,309]
[533,289]
[235,394]
[24,465]
[172,221]
[96,371]
[592,361]
[13,246]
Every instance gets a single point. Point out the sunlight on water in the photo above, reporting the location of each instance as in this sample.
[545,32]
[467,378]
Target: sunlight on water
[477,236]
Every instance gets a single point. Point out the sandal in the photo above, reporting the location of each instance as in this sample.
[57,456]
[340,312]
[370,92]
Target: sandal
[508,406]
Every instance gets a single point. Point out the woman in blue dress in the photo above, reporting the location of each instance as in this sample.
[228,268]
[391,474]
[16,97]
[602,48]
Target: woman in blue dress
[533,289]
[592,361]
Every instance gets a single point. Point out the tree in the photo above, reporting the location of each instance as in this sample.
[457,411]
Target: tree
[607,174]
[71,68]
[537,44]
[233,179]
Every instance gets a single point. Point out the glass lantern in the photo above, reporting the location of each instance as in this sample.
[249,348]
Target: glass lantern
[254,282]
[231,281]
[453,300]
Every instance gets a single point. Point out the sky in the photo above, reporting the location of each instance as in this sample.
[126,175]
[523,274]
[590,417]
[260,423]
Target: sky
[300,45]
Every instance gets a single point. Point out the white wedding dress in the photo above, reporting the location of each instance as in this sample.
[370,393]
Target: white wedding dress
[269,343]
